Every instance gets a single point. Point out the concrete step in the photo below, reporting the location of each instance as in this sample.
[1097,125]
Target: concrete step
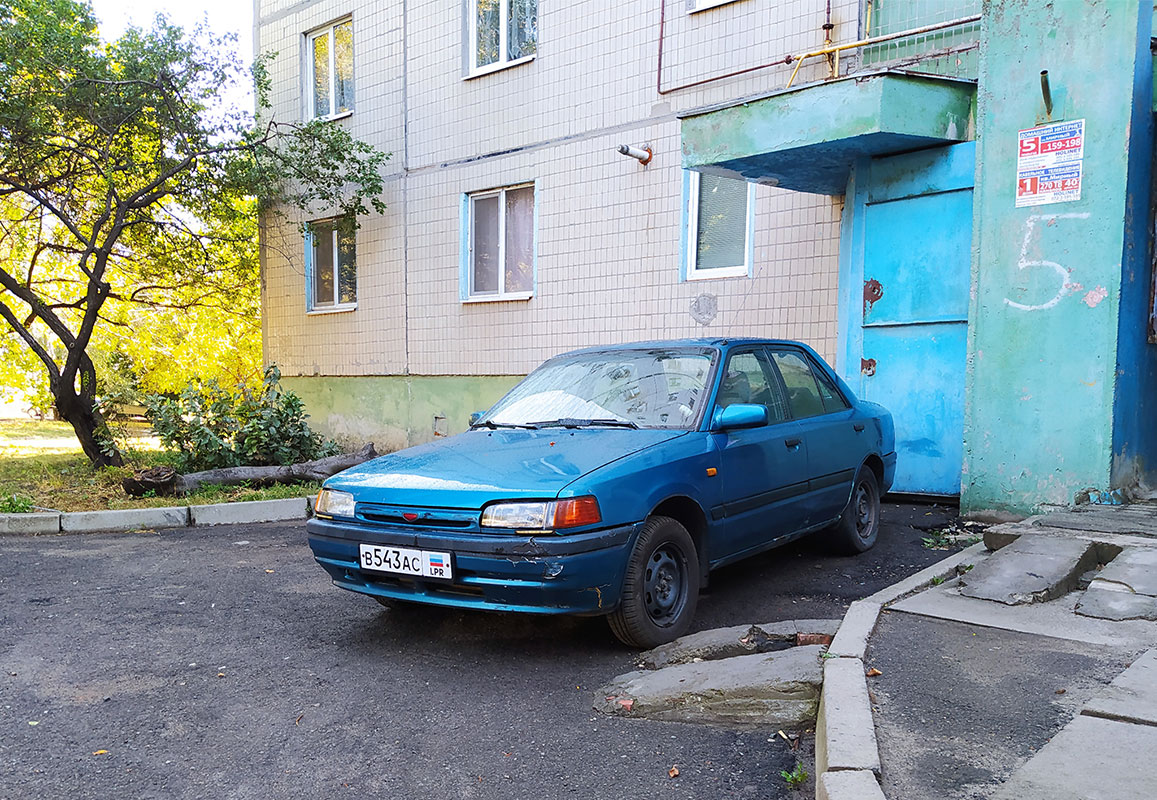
[1032,569]
[1125,589]
[1139,519]
[779,689]
[740,640]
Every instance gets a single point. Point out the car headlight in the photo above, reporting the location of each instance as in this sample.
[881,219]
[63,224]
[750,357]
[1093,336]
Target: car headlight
[332,503]
[571,512]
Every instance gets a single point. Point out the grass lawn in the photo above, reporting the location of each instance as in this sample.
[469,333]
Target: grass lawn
[43,461]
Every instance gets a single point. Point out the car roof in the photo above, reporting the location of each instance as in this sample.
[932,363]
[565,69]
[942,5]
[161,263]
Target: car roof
[715,342]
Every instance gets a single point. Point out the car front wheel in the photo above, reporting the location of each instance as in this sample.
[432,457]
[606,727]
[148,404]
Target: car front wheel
[661,588]
[860,523]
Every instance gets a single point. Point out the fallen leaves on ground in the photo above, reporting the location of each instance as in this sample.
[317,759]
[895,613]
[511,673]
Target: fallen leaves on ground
[873,672]
[673,772]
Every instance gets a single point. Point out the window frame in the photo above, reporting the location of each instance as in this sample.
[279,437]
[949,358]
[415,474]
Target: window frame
[503,62]
[336,307]
[695,6]
[310,37]
[466,292]
[689,269]
[816,370]
[771,377]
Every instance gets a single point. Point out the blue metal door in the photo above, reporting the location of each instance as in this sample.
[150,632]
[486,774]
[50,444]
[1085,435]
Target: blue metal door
[904,305]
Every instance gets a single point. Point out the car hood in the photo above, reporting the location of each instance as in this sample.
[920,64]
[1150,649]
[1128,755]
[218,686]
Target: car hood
[479,466]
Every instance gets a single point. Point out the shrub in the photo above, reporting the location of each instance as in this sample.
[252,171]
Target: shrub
[208,427]
[15,504]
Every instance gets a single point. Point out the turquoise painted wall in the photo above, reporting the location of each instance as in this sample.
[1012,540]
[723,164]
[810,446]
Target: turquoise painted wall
[1044,405]
[395,411]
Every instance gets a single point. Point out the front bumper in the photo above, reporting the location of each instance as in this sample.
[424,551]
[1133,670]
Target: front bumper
[550,574]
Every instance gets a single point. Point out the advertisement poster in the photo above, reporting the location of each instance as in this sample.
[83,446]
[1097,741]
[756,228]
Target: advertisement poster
[1049,163]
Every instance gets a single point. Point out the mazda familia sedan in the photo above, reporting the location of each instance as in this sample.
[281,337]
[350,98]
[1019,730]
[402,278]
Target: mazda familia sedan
[611,481]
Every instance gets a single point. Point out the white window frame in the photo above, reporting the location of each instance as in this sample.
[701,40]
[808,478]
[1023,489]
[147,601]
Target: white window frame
[310,38]
[468,295]
[311,273]
[473,70]
[693,273]
[695,6]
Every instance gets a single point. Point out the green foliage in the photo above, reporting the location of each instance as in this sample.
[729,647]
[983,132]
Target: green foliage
[796,778]
[129,203]
[15,504]
[209,427]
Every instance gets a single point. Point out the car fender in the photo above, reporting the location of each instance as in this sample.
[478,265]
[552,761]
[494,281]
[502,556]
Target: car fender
[629,489]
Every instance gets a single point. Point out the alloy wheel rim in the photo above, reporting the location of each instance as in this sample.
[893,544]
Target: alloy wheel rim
[664,584]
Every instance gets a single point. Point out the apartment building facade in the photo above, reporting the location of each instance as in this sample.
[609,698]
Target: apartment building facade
[769,189]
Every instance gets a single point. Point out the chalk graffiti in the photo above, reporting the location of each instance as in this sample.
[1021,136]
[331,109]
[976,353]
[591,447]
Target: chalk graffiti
[1023,262]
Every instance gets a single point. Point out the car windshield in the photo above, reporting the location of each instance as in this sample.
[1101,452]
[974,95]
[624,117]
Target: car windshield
[661,388]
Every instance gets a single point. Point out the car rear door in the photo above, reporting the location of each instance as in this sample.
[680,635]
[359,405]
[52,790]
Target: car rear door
[834,438]
[763,471]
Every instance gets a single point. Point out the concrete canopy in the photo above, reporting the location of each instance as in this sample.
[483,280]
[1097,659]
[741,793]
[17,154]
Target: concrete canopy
[807,139]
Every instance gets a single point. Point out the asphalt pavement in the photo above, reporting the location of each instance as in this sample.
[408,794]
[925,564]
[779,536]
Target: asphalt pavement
[960,706]
[220,662]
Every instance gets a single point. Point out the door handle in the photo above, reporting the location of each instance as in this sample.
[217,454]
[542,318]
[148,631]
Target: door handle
[791,443]
[858,427]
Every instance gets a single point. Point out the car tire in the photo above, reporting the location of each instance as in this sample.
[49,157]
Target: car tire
[661,586]
[859,525]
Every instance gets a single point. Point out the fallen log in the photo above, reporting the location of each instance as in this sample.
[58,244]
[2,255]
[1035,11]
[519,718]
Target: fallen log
[317,470]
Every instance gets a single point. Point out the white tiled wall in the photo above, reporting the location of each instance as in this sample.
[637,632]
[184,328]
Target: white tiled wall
[609,229]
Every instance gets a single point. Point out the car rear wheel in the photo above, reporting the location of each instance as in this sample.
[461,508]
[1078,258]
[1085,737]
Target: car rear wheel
[860,523]
[661,588]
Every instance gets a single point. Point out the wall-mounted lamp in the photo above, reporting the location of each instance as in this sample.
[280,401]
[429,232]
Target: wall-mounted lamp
[641,154]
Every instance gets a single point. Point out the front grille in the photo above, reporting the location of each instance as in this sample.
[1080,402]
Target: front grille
[414,517]
[421,522]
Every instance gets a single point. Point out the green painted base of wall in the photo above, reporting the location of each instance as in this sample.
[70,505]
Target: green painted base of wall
[396,411]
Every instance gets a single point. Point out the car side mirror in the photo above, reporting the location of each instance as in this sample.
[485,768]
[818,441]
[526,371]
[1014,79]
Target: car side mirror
[477,415]
[739,415]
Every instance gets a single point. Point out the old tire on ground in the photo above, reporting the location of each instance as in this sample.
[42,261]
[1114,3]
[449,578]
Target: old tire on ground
[859,525]
[661,587]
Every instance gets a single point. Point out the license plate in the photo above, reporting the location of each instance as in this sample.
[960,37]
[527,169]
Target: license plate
[404,561]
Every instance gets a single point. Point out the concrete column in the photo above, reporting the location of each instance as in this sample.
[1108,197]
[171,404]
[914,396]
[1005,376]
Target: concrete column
[1057,359]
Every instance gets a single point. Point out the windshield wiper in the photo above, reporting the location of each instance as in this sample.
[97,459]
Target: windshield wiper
[567,422]
[492,425]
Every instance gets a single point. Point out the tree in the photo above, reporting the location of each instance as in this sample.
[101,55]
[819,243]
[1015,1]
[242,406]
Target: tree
[122,184]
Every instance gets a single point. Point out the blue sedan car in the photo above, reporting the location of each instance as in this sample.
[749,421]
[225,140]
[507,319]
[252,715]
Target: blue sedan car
[611,481]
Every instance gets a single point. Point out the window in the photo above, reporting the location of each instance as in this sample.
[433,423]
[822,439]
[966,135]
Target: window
[500,250]
[502,32]
[805,394]
[720,223]
[331,266]
[331,70]
[746,380]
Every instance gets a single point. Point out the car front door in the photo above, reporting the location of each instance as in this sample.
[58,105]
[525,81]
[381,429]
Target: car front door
[763,470]
[834,438]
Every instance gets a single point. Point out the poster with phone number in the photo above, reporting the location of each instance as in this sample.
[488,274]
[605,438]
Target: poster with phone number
[1050,163]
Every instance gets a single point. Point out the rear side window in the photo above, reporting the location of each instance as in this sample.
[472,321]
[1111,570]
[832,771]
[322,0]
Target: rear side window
[828,392]
[748,379]
[803,392]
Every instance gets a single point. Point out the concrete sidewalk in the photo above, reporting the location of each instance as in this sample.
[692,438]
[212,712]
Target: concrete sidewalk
[1027,671]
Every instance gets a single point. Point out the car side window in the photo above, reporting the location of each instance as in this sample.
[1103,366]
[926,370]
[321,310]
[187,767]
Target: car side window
[747,379]
[803,393]
[833,400]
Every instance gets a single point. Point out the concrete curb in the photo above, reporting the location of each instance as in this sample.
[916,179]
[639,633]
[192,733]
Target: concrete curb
[850,785]
[847,755]
[132,519]
[250,511]
[29,523]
